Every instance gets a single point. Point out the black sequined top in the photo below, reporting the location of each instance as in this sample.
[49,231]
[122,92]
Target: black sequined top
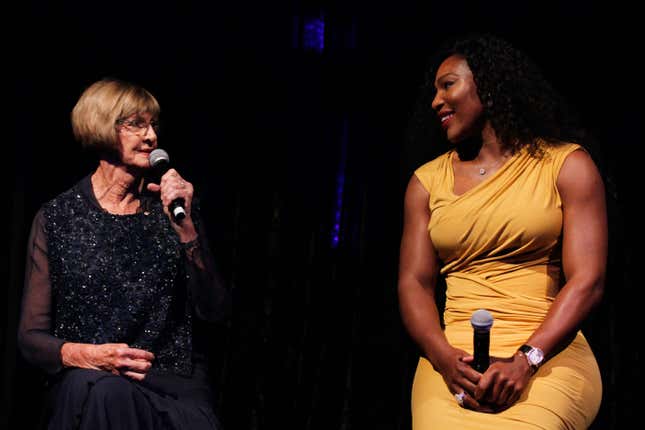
[94,277]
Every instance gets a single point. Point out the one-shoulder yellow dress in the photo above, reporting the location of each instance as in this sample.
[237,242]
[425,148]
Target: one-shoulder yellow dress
[500,244]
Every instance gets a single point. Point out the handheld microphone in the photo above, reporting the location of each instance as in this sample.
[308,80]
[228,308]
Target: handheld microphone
[481,321]
[160,163]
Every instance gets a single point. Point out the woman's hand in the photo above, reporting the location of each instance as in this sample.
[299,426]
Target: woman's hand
[117,358]
[172,186]
[454,367]
[502,384]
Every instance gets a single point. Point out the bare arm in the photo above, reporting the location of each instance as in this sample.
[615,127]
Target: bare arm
[584,253]
[418,271]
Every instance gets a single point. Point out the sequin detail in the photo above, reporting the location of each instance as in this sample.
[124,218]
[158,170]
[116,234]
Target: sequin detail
[119,279]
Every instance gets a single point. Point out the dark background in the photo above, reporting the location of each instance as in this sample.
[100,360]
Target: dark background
[269,132]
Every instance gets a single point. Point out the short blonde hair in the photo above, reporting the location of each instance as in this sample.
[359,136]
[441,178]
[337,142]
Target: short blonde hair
[103,103]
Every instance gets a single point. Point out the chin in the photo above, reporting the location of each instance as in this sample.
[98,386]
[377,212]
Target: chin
[452,136]
[453,139]
[142,161]
[458,137]
[138,165]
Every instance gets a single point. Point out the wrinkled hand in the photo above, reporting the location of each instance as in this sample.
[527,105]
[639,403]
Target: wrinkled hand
[502,384]
[117,358]
[172,186]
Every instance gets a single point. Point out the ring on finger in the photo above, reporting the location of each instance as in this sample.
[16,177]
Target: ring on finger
[459,397]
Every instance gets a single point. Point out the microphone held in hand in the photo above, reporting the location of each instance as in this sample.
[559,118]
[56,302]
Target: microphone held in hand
[160,163]
[481,321]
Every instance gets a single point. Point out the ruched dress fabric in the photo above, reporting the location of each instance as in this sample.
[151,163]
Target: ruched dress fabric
[500,245]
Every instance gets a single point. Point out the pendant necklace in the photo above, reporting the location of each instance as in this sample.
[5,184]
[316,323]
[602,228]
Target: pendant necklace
[484,170]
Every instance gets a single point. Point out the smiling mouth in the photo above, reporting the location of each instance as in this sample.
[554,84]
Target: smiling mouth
[445,119]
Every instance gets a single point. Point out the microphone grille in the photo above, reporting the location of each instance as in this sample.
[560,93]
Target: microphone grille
[158,156]
[481,319]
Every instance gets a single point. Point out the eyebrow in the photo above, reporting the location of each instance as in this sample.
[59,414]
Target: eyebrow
[445,75]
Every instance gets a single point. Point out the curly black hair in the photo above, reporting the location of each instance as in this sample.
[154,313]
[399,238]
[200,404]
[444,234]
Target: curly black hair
[520,103]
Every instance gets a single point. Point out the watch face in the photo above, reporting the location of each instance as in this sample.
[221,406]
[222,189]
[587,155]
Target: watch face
[535,356]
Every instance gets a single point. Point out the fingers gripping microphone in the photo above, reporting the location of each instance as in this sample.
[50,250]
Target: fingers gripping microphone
[160,163]
[481,321]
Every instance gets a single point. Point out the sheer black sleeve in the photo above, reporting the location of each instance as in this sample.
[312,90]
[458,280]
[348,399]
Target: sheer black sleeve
[210,297]
[35,339]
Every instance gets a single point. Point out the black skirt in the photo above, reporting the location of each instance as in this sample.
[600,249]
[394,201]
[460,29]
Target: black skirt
[87,399]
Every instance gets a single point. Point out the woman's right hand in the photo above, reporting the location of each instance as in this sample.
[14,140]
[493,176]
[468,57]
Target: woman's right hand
[117,358]
[460,377]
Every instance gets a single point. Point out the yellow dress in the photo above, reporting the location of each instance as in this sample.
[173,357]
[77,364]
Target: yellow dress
[500,244]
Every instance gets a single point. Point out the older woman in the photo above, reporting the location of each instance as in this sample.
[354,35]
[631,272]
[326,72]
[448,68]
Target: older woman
[115,287]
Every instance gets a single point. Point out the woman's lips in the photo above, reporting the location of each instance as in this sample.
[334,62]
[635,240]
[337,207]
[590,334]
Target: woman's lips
[446,119]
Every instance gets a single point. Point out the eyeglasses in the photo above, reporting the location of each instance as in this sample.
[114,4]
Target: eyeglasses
[139,126]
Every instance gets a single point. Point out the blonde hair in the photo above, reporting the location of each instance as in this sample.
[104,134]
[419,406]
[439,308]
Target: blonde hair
[104,102]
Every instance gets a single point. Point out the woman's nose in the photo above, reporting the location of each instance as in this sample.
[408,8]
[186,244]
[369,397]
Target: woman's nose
[437,101]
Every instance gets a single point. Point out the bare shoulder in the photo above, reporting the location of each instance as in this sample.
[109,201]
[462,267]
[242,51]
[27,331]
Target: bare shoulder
[579,173]
[415,190]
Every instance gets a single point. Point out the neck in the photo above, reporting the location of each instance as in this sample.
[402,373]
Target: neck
[116,187]
[484,148]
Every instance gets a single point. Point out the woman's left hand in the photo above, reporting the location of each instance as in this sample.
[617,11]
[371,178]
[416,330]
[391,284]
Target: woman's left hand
[502,384]
[172,186]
